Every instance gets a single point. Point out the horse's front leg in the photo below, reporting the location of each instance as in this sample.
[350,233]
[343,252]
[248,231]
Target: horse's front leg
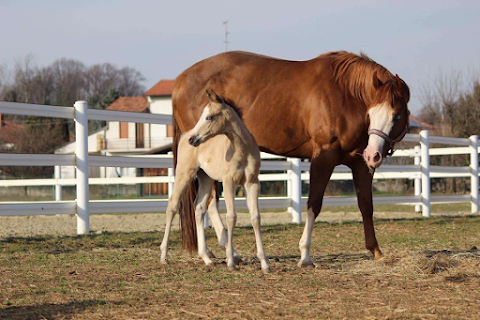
[229,193]
[252,189]
[363,185]
[321,169]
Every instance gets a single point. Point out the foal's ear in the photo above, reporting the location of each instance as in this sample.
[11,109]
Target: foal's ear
[377,83]
[209,95]
[212,96]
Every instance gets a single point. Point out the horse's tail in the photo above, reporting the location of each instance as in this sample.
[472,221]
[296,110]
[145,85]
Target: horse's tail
[186,206]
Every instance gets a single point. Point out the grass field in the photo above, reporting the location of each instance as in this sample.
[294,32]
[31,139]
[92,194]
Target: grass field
[431,270]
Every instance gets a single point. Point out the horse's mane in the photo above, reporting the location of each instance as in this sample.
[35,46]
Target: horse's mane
[355,73]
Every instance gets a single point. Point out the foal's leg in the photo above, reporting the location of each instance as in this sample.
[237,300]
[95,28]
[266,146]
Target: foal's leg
[205,184]
[217,223]
[229,192]
[183,178]
[363,185]
[320,172]
[253,189]
[218,226]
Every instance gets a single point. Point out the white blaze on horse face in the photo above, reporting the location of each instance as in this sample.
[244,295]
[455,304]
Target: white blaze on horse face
[381,118]
[201,121]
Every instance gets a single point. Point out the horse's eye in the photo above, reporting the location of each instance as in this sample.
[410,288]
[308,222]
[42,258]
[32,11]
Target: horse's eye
[209,118]
[397,117]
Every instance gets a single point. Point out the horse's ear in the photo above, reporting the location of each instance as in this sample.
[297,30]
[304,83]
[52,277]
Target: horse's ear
[401,88]
[398,83]
[376,82]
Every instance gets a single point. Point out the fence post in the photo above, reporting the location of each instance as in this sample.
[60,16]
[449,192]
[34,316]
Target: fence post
[58,187]
[474,172]
[296,189]
[81,162]
[417,181]
[425,170]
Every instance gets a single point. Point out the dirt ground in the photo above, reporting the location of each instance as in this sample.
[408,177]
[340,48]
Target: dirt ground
[67,224]
[431,270]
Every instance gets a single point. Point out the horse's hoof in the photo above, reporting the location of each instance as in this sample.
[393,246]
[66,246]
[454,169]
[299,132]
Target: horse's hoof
[306,264]
[377,254]
[266,271]
[164,261]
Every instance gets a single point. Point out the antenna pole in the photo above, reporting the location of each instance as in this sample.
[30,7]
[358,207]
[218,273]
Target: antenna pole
[225,23]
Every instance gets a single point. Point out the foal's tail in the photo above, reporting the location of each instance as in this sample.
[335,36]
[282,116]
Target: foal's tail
[186,206]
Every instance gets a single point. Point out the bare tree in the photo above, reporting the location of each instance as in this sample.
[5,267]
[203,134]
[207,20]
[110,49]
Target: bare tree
[454,110]
[24,73]
[61,83]
[104,81]
[440,101]
[129,82]
[69,78]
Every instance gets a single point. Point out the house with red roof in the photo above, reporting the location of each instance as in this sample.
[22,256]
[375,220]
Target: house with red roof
[128,138]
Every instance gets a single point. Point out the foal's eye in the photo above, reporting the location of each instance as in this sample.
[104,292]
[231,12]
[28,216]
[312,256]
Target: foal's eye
[396,117]
[209,118]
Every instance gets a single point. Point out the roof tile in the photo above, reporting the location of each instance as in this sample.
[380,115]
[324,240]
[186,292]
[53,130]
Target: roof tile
[131,104]
[162,88]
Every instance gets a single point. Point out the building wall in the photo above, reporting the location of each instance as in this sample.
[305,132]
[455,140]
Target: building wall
[154,136]
[159,105]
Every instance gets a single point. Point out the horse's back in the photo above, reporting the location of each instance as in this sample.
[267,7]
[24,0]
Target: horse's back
[269,94]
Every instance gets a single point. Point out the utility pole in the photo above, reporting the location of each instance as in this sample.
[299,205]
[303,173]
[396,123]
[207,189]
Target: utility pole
[225,23]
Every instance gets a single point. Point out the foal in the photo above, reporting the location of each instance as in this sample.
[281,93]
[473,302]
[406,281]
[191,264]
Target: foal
[220,148]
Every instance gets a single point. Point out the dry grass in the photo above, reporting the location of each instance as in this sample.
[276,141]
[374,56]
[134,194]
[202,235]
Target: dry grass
[431,270]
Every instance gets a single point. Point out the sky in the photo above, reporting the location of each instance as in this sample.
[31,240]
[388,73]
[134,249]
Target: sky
[415,39]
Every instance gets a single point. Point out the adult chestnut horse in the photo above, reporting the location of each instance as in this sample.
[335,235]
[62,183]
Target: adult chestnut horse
[339,108]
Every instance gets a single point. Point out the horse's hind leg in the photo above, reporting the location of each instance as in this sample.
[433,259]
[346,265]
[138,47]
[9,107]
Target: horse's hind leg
[205,184]
[252,190]
[183,178]
[219,227]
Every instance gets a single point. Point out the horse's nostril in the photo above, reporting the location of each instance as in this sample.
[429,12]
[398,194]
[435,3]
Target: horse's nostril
[191,140]
[377,157]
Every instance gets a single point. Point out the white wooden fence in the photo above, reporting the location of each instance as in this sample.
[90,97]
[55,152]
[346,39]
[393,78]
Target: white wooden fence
[294,170]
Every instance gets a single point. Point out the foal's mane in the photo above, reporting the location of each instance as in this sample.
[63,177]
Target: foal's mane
[356,72]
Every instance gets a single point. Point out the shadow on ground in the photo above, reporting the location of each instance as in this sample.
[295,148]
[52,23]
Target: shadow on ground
[49,310]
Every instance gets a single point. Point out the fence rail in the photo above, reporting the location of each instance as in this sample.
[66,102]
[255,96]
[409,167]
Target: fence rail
[294,171]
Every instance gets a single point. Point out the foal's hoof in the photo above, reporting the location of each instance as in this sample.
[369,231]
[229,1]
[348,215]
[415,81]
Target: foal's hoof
[164,261]
[209,267]
[266,271]
[234,268]
[237,260]
[306,264]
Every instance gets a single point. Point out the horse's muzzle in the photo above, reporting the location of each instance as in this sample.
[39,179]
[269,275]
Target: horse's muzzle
[195,140]
[372,157]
